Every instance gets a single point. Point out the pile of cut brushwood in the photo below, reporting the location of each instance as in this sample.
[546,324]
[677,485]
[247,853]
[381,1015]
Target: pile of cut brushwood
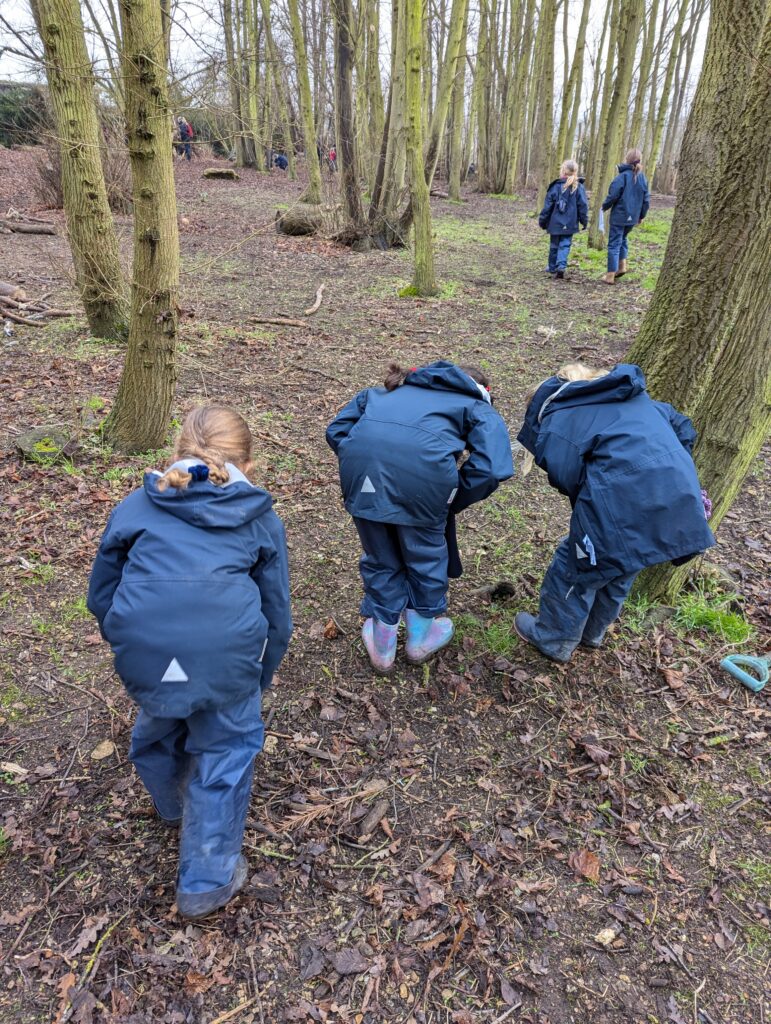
[16,307]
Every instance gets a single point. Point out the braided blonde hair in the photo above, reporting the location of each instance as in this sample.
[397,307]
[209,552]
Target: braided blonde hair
[214,435]
[579,371]
[569,170]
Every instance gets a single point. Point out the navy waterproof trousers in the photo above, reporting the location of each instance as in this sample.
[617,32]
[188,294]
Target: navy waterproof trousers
[618,245]
[200,769]
[402,567]
[573,613]
[559,250]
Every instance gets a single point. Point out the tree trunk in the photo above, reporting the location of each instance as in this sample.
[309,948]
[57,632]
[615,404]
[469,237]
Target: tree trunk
[458,107]
[447,76]
[90,226]
[424,281]
[313,192]
[282,97]
[253,80]
[346,148]
[234,83]
[711,138]
[718,368]
[541,168]
[571,97]
[517,101]
[643,76]
[630,13]
[674,57]
[139,420]
[374,88]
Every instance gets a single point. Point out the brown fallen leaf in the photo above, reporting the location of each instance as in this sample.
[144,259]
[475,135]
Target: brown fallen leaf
[429,892]
[102,750]
[674,679]
[586,864]
[331,630]
[350,961]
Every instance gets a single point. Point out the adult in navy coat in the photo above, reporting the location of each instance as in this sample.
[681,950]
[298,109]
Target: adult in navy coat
[398,447]
[628,201]
[564,210]
[624,462]
[190,587]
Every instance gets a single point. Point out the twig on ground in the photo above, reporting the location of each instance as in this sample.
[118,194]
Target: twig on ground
[506,1013]
[436,855]
[277,321]
[236,1010]
[54,892]
[316,305]
[90,966]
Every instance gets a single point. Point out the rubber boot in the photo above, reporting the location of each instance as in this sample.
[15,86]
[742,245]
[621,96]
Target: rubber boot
[610,277]
[380,642]
[525,628]
[621,268]
[560,275]
[194,905]
[426,636]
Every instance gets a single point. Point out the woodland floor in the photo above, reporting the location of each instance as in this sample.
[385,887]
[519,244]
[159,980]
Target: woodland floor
[578,845]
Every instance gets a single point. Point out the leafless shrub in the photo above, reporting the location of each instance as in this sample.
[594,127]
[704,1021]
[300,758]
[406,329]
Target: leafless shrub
[115,164]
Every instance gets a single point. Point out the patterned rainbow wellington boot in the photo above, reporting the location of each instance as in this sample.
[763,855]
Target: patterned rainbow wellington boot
[426,636]
[380,641]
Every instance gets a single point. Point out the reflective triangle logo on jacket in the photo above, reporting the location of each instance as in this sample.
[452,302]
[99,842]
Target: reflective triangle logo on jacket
[175,673]
[367,487]
[580,553]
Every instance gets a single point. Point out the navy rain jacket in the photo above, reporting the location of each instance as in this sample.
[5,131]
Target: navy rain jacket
[564,222]
[628,200]
[191,589]
[624,462]
[398,450]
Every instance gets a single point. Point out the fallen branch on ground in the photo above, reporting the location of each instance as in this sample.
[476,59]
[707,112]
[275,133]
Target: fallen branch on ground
[278,321]
[22,227]
[314,308]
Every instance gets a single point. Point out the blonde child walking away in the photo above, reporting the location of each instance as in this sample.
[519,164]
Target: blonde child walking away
[624,462]
[398,448]
[628,200]
[564,212]
[191,589]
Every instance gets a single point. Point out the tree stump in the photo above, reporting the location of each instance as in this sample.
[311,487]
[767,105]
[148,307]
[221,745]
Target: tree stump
[221,172]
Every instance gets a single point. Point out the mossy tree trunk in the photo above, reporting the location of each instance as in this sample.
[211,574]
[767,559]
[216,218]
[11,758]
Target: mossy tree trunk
[713,360]
[90,227]
[447,76]
[423,280]
[313,192]
[139,420]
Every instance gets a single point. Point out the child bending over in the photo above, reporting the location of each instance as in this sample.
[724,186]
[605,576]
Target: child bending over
[191,589]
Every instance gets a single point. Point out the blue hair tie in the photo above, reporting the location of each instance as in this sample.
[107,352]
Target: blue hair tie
[199,473]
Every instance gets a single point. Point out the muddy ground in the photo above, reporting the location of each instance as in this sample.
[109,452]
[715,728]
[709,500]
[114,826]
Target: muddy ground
[578,845]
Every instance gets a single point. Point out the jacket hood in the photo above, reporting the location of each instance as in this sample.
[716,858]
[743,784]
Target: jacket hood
[621,168]
[623,382]
[558,181]
[205,504]
[444,376]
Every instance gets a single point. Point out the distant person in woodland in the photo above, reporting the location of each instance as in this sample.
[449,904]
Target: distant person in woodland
[624,462]
[628,200]
[281,161]
[191,589]
[333,159]
[186,136]
[398,448]
[564,210]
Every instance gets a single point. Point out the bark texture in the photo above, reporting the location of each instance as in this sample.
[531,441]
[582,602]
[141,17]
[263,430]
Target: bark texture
[140,417]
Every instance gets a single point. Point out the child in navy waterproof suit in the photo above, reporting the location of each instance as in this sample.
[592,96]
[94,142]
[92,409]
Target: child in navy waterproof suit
[191,589]
[398,448]
[565,208]
[628,200]
[624,462]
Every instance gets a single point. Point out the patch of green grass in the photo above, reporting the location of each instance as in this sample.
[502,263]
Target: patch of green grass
[758,940]
[114,473]
[512,197]
[76,609]
[637,607]
[447,290]
[759,872]
[42,572]
[700,610]
[497,636]
[468,232]
[5,842]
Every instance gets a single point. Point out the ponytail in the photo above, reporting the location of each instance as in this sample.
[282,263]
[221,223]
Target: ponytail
[396,376]
[212,435]
[569,171]
[634,159]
